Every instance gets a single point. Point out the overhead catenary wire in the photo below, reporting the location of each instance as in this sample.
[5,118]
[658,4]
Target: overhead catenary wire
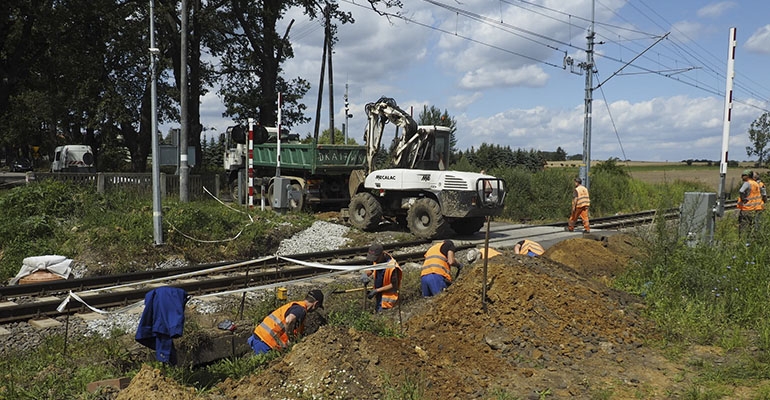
[666,70]
[612,120]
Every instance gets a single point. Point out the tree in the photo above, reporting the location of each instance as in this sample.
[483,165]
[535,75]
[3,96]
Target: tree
[323,138]
[251,52]
[759,135]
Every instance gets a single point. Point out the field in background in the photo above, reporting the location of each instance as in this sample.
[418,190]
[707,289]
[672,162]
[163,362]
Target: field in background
[668,172]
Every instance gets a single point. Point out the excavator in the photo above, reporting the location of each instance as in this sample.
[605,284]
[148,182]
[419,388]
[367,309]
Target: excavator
[416,190]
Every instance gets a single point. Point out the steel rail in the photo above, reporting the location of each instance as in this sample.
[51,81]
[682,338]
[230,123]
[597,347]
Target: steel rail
[252,273]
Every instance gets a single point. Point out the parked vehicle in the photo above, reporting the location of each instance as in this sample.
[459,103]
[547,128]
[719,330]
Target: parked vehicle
[318,173]
[20,165]
[73,158]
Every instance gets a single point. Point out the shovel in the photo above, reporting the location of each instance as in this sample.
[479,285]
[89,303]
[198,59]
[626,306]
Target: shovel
[349,290]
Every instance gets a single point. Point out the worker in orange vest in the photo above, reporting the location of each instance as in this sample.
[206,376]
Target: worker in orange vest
[387,282]
[762,188]
[436,274]
[528,248]
[580,203]
[285,324]
[749,203]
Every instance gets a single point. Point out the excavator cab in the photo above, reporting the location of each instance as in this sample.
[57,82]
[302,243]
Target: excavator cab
[433,152]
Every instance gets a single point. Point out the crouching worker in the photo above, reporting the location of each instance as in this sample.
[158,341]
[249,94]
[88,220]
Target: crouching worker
[435,275]
[528,248]
[285,324]
[386,281]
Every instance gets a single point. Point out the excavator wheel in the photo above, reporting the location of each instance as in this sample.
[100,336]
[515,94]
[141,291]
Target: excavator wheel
[365,211]
[467,226]
[425,219]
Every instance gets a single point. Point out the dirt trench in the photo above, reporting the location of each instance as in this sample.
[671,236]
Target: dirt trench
[550,328]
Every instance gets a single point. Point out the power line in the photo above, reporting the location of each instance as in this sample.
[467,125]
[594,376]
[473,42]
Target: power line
[612,120]
[666,70]
[407,19]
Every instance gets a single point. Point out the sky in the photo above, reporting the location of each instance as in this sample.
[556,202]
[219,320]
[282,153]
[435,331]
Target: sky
[498,68]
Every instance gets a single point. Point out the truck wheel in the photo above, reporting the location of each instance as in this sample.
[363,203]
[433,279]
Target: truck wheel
[365,211]
[425,219]
[467,226]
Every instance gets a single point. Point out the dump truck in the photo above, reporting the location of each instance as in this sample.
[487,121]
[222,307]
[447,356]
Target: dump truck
[317,174]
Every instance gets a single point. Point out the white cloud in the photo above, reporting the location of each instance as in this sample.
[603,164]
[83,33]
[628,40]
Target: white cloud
[759,42]
[485,78]
[461,102]
[686,31]
[671,128]
[715,9]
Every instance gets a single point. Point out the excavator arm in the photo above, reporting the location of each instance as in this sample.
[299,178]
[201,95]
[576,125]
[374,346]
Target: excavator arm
[380,113]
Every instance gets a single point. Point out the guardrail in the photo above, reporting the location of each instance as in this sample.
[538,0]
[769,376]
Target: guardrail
[138,183]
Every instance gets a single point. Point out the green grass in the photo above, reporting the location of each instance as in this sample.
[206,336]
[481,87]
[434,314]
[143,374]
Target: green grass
[114,233]
[547,195]
[712,295]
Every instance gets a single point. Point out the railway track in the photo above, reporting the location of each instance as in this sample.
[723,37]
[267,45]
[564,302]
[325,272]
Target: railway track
[38,300]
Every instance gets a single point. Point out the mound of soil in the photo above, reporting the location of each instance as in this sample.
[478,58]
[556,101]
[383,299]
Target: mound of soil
[545,328]
[150,384]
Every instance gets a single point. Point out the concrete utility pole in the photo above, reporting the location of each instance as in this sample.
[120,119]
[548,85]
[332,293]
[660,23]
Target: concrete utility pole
[588,65]
[157,212]
[184,170]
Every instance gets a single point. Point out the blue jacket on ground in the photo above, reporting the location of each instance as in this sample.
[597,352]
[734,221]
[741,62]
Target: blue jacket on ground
[161,321]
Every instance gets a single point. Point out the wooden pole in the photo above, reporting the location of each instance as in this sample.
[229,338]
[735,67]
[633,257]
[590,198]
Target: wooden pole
[486,260]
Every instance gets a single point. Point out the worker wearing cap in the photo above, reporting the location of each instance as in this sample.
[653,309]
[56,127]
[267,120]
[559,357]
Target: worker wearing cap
[749,202]
[435,275]
[387,282]
[580,203]
[284,324]
[528,248]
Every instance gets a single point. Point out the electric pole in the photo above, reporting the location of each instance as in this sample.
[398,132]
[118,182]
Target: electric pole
[588,65]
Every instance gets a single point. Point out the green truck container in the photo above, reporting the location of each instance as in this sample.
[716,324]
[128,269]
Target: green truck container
[319,175]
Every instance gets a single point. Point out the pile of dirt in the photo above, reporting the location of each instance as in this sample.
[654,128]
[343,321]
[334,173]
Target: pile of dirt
[597,256]
[545,328]
[150,384]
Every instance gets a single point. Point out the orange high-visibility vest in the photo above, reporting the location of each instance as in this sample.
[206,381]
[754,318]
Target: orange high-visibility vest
[534,247]
[436,263]
[390,297]
[582,199]
[753,201]
[492,253]
[272,330]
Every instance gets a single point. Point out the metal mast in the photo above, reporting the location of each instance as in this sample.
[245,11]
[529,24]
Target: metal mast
[589,67]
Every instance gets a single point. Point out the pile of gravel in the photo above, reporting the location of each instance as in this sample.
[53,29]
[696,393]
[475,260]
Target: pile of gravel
[321,236]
